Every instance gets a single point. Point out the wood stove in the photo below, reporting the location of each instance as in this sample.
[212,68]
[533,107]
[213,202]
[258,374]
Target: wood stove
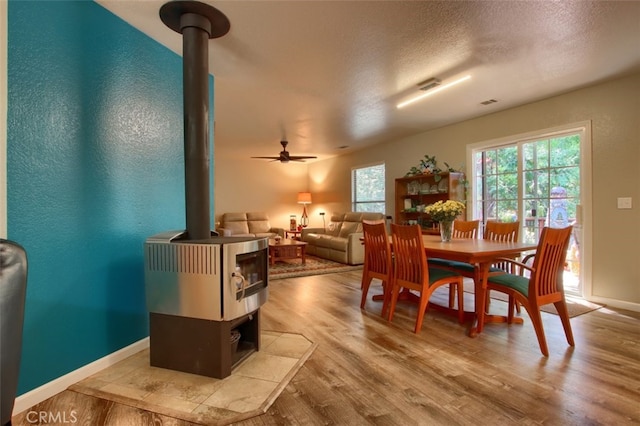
[203,291]
[203,299]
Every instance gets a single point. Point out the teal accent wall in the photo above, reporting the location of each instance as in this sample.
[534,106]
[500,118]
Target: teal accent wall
[95,166]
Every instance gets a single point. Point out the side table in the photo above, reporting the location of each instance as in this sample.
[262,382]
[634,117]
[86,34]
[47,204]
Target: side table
[295,235]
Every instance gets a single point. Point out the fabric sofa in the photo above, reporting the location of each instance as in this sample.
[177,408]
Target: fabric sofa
[252,224]
[340,240]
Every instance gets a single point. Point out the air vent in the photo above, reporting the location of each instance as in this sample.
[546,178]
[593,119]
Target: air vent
[181,258]
[489,102]
[429,84]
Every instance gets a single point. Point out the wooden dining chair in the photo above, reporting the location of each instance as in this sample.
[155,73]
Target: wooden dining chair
[501,231]
[543,286]
[461,229]
[377,260]
[465,228]
[506,232]
[410,271]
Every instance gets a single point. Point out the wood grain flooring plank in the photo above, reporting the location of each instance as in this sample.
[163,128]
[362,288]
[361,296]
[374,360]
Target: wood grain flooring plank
[367,371]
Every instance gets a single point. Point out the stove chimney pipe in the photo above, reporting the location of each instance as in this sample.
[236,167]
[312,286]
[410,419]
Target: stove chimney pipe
[197,22]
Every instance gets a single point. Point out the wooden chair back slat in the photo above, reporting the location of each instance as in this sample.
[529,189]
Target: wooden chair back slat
[501,231]
[504,232]
[465,228]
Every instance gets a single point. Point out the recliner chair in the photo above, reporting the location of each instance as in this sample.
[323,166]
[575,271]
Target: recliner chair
[13,291]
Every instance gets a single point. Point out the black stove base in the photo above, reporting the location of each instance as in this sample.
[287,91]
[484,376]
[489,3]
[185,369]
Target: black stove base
[204,347]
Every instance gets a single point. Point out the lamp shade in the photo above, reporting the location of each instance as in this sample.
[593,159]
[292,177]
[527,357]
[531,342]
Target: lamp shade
[304,198]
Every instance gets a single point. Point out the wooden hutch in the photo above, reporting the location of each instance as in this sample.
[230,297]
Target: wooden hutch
[414,193]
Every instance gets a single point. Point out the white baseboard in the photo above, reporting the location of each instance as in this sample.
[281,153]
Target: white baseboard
[39,394]
[615,303]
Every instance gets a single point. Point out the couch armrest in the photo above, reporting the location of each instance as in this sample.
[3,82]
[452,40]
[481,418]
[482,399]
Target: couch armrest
[279,231]
[306,231]
[355,248]
[356,238]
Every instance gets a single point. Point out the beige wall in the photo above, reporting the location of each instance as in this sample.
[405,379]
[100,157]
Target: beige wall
[614,111]
[248,185]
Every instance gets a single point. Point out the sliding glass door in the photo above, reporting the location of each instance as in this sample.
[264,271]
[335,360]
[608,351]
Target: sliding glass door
[536,180]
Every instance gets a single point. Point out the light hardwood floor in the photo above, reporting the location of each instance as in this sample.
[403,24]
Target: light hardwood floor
[368,371]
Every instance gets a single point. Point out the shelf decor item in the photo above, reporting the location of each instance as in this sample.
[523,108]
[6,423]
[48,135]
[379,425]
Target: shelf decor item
[429,165]
[445,213]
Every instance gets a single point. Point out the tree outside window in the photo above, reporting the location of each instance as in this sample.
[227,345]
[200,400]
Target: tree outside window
[535,181]
[368,189]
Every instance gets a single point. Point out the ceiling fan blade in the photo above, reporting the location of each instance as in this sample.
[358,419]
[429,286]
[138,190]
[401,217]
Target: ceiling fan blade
[267,158]
[301,157]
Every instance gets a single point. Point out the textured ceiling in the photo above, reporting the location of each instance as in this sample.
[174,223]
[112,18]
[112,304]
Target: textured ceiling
[328,74]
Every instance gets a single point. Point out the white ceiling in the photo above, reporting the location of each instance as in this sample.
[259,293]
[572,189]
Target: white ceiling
[328,74]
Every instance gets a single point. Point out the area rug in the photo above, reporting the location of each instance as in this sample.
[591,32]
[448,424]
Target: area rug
[575,305]
[313,266]
[248,392]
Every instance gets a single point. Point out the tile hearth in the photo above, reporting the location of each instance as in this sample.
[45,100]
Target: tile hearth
[248,392]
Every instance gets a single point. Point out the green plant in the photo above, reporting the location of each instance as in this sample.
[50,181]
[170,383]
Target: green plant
[451,169]
[429,164]
[413,171]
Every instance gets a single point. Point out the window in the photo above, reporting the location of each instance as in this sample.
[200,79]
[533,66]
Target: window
[367,190]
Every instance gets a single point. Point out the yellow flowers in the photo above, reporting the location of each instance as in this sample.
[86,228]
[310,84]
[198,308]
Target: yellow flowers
[444,210]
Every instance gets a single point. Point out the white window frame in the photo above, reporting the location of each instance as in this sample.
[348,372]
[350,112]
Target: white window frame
[584,213]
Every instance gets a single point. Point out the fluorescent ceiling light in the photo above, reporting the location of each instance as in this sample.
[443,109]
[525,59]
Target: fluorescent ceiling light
[433,91]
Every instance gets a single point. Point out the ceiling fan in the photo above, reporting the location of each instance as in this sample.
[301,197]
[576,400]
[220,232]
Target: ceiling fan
[285,156]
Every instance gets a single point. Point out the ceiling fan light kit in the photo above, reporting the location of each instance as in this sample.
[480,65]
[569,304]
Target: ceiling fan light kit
[431,87]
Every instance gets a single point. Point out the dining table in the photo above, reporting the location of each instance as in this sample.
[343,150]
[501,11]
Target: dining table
[481,254]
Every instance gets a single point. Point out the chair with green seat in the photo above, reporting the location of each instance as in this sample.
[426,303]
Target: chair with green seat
[411,272]
[501,231]
[543,286]
[461,229]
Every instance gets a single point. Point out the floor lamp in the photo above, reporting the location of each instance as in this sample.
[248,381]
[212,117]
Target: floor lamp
[304,198]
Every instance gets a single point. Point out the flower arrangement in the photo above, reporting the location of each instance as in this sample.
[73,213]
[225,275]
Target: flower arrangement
[443,211]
